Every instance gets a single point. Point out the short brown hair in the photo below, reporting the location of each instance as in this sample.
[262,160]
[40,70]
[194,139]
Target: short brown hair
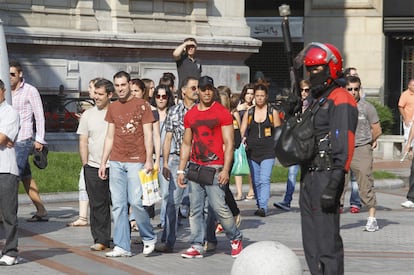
[190,39]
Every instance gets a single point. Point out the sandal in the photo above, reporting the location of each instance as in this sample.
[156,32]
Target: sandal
[81,221]
[250,197]
[134,226]
[239,198]
[219,229]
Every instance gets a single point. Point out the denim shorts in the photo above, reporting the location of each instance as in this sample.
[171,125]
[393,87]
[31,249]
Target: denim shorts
[23,149]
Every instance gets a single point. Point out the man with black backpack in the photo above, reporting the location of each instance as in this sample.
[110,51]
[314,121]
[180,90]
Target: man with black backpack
[323,176]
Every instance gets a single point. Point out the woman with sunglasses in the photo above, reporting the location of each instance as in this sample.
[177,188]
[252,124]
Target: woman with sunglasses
[162,100]
[139,90]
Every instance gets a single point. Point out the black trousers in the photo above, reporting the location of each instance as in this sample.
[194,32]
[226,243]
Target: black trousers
[410,194]
[9,186]
[231,202]
[99,201]
[322,243]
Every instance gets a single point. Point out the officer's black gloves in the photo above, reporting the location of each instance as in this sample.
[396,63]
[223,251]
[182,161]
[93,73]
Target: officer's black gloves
[166,173]
[293,104]
[333,191]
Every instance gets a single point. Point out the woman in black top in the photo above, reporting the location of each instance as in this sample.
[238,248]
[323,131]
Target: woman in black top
[257,129]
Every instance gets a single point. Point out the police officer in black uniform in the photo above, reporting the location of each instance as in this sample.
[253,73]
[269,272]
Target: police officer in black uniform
[323,177]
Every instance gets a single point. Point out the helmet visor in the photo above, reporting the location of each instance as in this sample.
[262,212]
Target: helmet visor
[299,59]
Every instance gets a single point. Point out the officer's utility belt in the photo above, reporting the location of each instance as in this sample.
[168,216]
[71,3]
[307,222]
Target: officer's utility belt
[321,162]
[323,159]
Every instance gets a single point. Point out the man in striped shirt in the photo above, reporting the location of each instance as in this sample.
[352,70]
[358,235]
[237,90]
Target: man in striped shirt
[26,100]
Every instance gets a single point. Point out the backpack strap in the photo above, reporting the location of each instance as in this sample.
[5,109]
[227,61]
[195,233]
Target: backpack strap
[251,113]
[270,113]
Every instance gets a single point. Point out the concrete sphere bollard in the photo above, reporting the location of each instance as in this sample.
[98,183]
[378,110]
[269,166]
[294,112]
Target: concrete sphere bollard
[267,258]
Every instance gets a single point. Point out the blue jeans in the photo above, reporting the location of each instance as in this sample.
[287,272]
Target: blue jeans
[214,195]
[261,173]
[125,187]
[164,185]
[354,200]
[23,149]
[210,223]
[410,193]
[291,182]
[174,198]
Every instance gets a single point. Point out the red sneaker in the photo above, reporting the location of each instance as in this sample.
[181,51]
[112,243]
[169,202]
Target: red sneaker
[192,253]
[236,248]
[354,210]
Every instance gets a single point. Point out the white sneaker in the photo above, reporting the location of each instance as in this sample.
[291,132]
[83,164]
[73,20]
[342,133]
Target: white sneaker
[8,260]
[148,249]
[372,225]
[408,204]
[118,252]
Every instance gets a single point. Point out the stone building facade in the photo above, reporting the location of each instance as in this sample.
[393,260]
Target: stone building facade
[69,42]
[355,27]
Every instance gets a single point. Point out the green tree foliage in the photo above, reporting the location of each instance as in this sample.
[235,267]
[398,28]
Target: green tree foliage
[385,116]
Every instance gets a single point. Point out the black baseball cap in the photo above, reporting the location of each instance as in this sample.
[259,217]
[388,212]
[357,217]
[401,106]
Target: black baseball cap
[204,82]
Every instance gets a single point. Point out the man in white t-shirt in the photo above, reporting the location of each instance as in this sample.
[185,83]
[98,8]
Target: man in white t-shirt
[92,131]
[9,181]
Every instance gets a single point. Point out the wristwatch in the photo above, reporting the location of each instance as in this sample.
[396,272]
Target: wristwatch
[180,172]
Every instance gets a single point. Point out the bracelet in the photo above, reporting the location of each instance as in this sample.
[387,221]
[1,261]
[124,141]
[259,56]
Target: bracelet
[180,172]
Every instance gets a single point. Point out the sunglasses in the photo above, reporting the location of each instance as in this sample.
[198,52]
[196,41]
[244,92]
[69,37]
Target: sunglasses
[13,74]
[356,89]
[193,88]
[161,96]
[305,90]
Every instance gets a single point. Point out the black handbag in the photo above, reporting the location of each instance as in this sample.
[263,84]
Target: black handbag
[295,141]
[203,175]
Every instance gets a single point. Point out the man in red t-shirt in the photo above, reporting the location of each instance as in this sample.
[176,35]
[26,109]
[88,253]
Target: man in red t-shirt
[208,126]
[128,146]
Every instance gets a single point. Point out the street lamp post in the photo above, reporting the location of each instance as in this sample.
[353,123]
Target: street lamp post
[4,64]
[284,11]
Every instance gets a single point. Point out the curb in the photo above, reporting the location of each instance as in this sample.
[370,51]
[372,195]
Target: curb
[378,184]
[51,197]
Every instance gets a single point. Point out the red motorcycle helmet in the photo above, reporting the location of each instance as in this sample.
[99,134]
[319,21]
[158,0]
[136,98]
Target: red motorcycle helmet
[324,54]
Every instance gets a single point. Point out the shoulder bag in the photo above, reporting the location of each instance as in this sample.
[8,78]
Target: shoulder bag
[295,141]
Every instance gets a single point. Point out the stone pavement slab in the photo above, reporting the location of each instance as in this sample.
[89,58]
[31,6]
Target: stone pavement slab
[52,248]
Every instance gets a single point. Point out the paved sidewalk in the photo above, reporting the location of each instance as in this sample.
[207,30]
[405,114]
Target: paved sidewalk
[52,248]
[400,169]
